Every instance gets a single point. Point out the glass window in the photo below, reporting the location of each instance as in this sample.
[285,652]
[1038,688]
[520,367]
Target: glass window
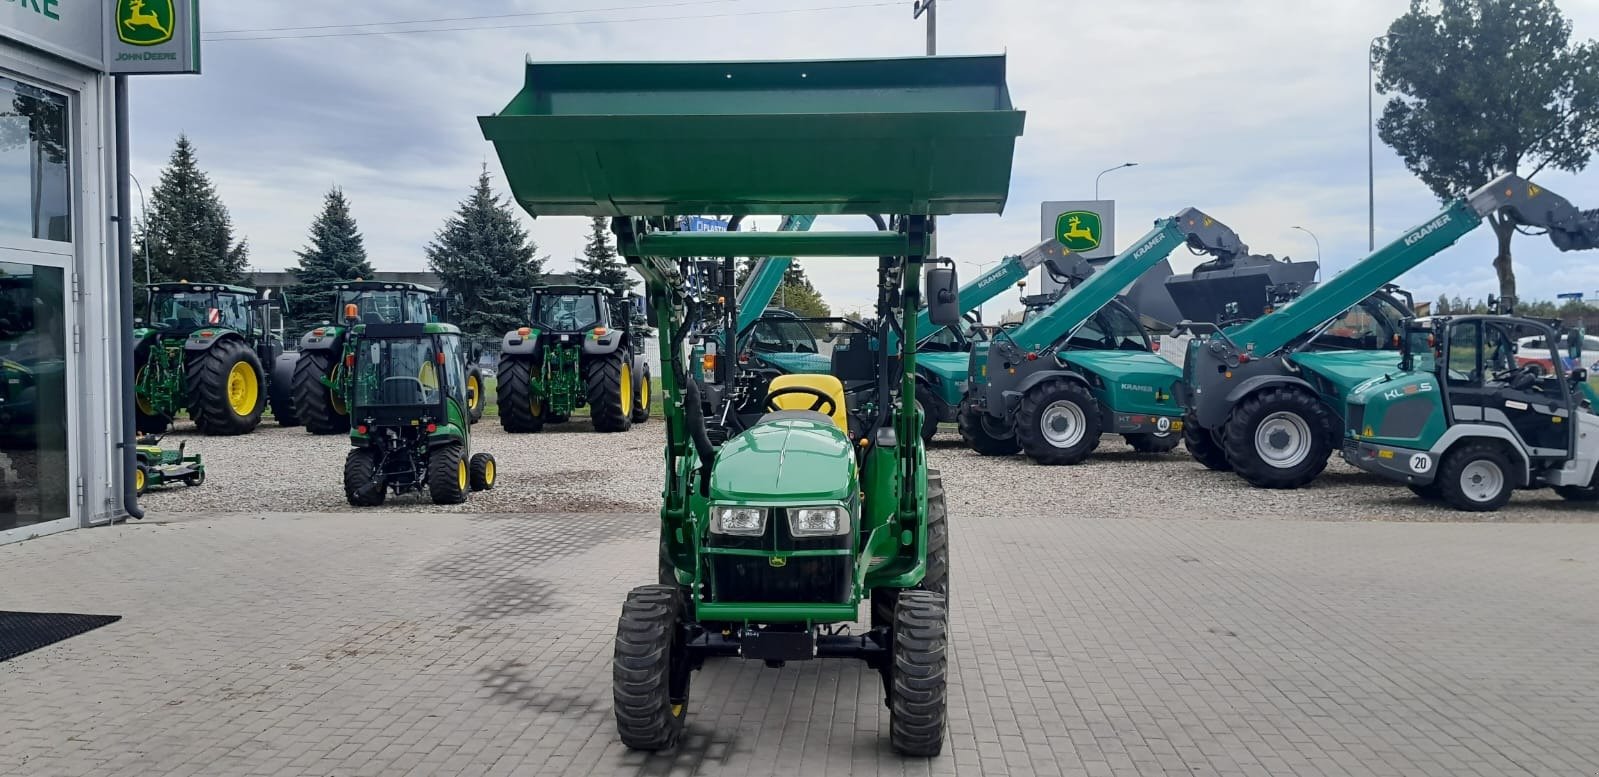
[402,371]
[1465,341]
[781,336]
[416,308]
[1422,356]
[566,312]
[33,395]
[35,157]
[189,310]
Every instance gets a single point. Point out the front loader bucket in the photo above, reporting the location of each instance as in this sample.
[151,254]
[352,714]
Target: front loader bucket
[1242,289]
[914,136]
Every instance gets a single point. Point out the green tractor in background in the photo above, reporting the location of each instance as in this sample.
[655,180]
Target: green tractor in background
[583,348]
[410,422]
[202,349]
[318,372]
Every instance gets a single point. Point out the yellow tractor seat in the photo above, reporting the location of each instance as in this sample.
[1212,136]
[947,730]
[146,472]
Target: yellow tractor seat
[827,384]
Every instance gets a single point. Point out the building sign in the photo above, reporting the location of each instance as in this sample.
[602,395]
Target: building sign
[703,224]
[121,37]
[153,36]
[1084,227]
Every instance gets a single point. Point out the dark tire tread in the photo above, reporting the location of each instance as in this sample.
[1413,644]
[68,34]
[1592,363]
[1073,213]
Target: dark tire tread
[977,436]
[642,669]
[602,380]
[1028,415]
[1239,438]
[206,379]
[363,483]
[444,474]
[313,400]
[917,698]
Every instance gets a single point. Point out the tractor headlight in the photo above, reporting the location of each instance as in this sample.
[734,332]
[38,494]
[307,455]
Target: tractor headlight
[818,521]
[745,521]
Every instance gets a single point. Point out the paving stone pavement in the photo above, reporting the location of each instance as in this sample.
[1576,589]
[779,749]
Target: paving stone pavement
[386,644]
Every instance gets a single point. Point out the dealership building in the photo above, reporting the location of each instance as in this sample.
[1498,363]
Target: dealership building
[62,336]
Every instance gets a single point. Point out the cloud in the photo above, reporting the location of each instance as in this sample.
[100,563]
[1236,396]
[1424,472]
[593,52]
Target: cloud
[1252,110]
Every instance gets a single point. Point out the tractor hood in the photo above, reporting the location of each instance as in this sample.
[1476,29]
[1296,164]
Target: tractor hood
[787,461]
[1347,369]
[950,367]
[1132,381]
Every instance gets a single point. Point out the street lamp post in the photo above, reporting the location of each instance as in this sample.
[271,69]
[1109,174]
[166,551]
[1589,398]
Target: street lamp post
[1318,245]
[144,216]
[1109,170]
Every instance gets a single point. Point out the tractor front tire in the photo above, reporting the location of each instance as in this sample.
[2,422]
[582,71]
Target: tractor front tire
[474,395]
[513,390]
[1476,477]
[1204,447]
[1279,438]
[482,471]
[363,480]
[883,600]
[314,402]
[1153,442]
[985,434]
[608,381]
[917,694]
[226,389]
[448,478]
[1058,422]
[280,390]
[650,670]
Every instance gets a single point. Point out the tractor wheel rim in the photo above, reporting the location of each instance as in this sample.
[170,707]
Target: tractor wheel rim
[1063,423]
[243,388]
[1283,440]
[627,389]
[138,479]
[471,392]
[644,394]
[995,428]
[488,472]
[460,472]
[1481,480]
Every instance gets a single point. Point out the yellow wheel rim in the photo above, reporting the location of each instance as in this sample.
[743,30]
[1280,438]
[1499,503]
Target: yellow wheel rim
[244,388]
[644,394]
[472,392]
[335,400]
[627,389]
[138,480]
[488,472]
[461,473]
[536,405]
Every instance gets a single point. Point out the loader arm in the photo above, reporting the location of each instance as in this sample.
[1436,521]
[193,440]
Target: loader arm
[1511,196]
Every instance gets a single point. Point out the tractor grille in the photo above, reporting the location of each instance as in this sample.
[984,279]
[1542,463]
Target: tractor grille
[1357,418]
[814,580]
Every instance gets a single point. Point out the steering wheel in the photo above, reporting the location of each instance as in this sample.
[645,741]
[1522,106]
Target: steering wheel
[1518,378]
[822,399]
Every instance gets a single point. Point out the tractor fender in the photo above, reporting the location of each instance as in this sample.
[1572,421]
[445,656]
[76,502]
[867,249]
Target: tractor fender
[1461,432]
[331,339]
[1013,397]
[514,343]
[283,369]
[1258,382]
[603,345]
[204,339]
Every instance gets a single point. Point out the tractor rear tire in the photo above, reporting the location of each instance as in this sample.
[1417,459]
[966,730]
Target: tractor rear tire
[984,434]
[650,669]
[1203,445]
[280,390]
[917,695]
[482,471]
[226,389]
[513,390]
[474,395]
[314,402]
[1298,418]
[642,398]
[1476,477]
[929,406]
[610,403]
[448,478]
[1045,421]
[1153,442]
[363,481]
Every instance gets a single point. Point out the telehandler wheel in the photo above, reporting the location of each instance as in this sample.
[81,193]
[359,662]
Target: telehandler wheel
[474,395]
[1203,444]
[1279,438]
[481,471]
[609,384]
[448,479]
[917,694]
[363,481]
[985,434]
[928,405]
[1430,491]
[319,407]
[1058,422]
[280,390]
[225,389]
[1476,477]
[1153,442]
[641,402]
[1588,493]
[650,670]
[520,411]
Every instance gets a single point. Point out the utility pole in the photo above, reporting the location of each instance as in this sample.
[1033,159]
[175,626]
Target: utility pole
[929,7]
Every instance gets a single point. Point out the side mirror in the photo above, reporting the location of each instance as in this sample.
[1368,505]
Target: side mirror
[1579,375]
[943,295]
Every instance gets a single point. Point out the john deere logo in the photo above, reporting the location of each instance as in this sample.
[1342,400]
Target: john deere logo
[1078,231]
[144,22]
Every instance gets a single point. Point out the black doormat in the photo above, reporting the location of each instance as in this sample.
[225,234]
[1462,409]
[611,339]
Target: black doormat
[21,632]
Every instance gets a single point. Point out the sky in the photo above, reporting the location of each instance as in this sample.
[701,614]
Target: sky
[1252,110]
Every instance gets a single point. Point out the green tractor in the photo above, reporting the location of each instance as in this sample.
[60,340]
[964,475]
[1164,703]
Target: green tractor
[811,515]
[581,349]
[1472,414]
[202,350]
[410,420]
[317,374]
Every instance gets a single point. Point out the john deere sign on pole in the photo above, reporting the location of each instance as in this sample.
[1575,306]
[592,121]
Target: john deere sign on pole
[1085,227]
[152,36]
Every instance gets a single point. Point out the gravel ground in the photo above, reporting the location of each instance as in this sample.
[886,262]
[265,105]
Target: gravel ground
[570,468]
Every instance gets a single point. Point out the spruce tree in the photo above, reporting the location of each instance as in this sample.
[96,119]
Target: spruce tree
[600,265]
[336,253]
[483,253]
[189,232]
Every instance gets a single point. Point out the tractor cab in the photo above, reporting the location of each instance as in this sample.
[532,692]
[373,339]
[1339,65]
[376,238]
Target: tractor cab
[379,302]
[572,309]
[181,308]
